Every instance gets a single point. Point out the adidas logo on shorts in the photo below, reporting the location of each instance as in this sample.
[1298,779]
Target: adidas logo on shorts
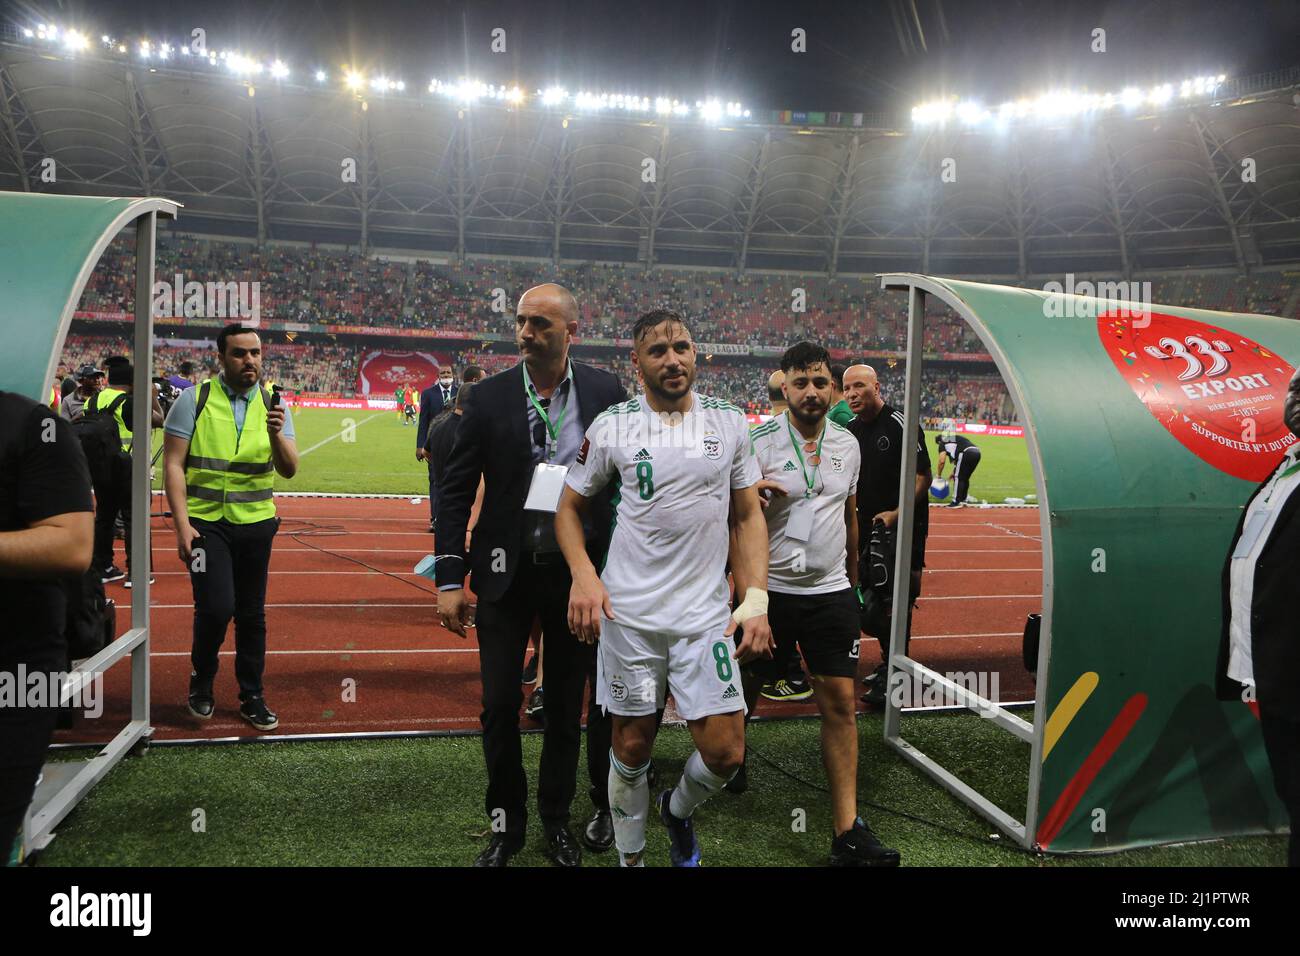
[643,455]
[789,466]
[730,693]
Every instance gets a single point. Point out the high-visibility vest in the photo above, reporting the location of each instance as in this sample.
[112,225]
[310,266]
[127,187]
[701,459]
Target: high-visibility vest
[104,399]
[229,474]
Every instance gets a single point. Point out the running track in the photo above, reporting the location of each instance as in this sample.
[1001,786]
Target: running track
[330,618]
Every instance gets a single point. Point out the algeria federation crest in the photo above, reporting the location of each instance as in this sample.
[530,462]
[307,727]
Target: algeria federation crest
[837,464]
[712,447]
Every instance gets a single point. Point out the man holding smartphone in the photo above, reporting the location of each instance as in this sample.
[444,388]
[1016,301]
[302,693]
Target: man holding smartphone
[225,442]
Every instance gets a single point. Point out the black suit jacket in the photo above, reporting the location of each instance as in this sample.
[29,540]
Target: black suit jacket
[492,440]
[430,405]
[1274,621]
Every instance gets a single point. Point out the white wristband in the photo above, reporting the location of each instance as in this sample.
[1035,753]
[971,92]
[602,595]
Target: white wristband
[754,605]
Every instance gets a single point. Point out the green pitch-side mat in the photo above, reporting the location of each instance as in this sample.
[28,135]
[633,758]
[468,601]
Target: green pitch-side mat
[1148,433]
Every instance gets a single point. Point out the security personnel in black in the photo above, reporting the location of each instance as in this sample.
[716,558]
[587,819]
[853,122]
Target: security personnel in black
[434,400]
[879,430]
[1259,651]
[115,496]
[515,424]
[965,457]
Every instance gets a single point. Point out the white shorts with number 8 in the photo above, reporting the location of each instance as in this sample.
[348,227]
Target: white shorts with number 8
[635,670]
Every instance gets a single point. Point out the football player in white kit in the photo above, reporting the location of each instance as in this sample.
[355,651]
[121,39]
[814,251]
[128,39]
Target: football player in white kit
[682,461]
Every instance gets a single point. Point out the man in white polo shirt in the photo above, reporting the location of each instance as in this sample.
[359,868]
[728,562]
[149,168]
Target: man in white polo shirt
[1259,653]
[810,468]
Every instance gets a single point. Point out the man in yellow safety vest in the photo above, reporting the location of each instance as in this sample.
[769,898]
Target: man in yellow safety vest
[225,441]
[113,495]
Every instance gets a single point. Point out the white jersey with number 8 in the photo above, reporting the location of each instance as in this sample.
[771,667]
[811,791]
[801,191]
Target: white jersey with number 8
[666,567]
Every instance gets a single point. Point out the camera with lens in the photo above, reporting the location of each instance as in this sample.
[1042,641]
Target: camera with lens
[167,394]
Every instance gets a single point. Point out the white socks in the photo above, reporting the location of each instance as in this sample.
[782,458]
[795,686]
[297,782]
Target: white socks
[698,783]
[629,802]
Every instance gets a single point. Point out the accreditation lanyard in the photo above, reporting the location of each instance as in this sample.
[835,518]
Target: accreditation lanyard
[1279,479]
[552,428]
[816,459]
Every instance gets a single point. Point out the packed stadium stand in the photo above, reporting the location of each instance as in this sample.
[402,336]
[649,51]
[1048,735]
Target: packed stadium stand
[339,289]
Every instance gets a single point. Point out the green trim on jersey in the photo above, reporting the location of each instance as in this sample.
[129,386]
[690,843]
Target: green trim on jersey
[718,404]
[620,408]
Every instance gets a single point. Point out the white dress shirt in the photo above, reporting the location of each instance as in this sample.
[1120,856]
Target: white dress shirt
[1261,517]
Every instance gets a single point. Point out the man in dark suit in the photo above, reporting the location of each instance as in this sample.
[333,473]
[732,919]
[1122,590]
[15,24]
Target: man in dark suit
[516,427]
[433,400]
[1259,652]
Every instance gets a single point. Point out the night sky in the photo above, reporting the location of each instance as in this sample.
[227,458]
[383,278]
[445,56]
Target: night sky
[861,56]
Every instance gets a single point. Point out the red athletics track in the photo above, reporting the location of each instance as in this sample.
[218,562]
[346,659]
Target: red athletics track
[329,619]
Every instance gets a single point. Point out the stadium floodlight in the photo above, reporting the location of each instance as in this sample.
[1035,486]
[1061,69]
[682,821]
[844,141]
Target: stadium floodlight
[121,48]
[971,113]
[379,83]
[554,95]
[105,39]
[238,63]
[1131,97]
[1160,95]
[401,86]
[28,33]
[75,41]
[320,76]
[663,105]
[354,80]
[164,51]
[278,70]
[144,49]
[711,111]
[514,95]
[681,109]
[467,91]
[938,111]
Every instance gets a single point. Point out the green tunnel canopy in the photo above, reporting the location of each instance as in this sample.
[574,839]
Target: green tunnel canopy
[1148,430]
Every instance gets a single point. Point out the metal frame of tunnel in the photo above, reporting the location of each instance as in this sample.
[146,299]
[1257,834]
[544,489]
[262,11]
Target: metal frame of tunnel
[65,783]
[917,288]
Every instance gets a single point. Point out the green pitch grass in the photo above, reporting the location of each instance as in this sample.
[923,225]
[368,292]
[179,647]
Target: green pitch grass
[419,802]
[1004,470]
[349,452]
[355,452]
[367,452]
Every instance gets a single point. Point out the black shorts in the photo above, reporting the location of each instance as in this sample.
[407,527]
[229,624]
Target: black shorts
[822,627]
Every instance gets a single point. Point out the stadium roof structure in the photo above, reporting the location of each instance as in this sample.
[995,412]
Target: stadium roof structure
[1118,193]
